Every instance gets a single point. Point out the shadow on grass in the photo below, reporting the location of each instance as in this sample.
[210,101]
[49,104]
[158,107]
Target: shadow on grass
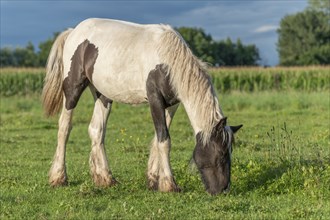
[253,179]
[272,177]
[75,183]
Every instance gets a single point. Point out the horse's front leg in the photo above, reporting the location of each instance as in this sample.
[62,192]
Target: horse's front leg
[98,161]
[153,165]
[166,182]
[159,170]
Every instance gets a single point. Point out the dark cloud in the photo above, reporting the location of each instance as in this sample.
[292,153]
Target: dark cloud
[252,21]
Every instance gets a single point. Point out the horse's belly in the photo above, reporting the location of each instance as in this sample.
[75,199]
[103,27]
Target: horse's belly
[124,88]
[127,95]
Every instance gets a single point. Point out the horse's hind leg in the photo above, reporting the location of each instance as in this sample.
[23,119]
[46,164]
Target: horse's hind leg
[57,172]
[98,161]
[153,165]
[73,86]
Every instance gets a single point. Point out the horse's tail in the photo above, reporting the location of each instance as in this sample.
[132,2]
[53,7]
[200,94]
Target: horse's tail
[52,95]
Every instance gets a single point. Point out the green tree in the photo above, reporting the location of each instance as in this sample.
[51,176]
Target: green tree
[251,56]
[199,42]
[25,57]
[304,38]
[44,49]
[319,5]
[227,53]
[19,56]
[219,53]
[6,57]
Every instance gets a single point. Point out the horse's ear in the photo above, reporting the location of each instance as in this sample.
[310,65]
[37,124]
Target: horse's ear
[235,128]
[222,123]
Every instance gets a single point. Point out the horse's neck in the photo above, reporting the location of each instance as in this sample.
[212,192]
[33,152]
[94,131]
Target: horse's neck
[192,114]
[203,115]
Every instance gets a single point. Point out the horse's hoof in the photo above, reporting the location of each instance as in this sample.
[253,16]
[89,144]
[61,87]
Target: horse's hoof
[153,182]
[57,182]
[104,181]
[168,184]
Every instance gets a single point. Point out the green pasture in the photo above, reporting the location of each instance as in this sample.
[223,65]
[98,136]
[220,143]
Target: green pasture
[280,167]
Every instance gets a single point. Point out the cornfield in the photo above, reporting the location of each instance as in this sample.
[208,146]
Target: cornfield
[25,81]
[21,81]
[267,79]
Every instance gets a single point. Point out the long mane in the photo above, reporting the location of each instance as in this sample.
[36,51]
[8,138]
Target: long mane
[193,86]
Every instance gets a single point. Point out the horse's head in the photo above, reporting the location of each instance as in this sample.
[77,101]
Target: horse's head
[213,159]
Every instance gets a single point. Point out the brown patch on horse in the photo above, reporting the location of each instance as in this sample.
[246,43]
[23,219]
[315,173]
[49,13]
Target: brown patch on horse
[161,95]
[105,101]
[91,53]
[80,74]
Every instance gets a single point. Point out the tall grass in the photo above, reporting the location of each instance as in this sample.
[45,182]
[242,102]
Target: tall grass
[24,81]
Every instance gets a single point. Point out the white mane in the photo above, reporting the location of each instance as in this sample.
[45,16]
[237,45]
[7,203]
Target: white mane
[192,84]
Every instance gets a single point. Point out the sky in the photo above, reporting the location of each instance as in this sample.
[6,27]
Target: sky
[254,22]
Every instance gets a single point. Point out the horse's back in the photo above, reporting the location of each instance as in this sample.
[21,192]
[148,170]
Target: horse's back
[124,55]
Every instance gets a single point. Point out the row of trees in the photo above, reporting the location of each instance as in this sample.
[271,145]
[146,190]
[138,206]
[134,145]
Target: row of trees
[219,53]
[214,52]
[26,56]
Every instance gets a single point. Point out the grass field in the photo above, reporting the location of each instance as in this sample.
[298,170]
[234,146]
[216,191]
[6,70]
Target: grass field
[280,167]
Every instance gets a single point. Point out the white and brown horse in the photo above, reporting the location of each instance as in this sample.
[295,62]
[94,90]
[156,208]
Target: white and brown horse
[132,63]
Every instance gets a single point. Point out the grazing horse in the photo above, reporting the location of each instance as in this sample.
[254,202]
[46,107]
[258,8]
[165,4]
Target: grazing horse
[132,63]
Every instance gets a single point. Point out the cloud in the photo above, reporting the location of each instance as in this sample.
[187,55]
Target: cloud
[265,28]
